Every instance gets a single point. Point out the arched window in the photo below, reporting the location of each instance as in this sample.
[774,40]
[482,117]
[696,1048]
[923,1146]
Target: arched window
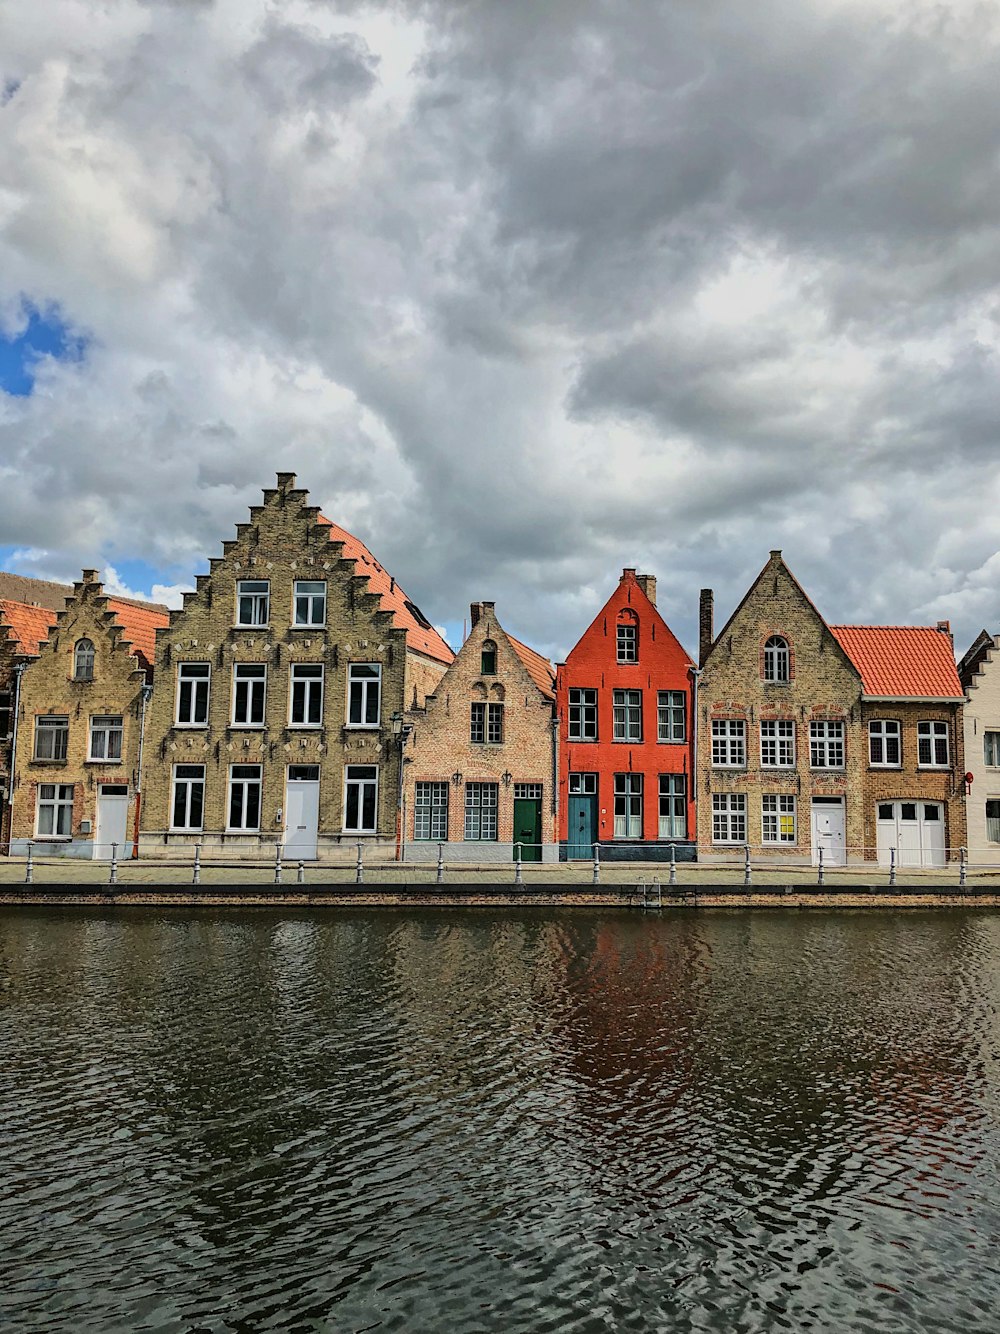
[488,666]
[776,659]
[628,637]
[83,660]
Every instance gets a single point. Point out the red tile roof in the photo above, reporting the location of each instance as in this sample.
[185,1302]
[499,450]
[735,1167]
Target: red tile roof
[30,624]
[539,669]
[902,661]
[140,623]
[420,634]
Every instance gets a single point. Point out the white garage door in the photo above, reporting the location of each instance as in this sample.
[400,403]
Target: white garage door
[915,829]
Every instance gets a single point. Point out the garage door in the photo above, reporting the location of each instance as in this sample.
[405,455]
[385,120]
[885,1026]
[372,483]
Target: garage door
[915,829]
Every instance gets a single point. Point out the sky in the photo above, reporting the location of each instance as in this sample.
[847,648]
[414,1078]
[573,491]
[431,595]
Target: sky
[523,293]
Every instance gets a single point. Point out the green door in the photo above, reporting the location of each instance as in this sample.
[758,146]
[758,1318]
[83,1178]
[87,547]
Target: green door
[582,833]
[528,828]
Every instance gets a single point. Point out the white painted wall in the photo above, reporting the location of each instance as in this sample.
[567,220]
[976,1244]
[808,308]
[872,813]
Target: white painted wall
[982,714]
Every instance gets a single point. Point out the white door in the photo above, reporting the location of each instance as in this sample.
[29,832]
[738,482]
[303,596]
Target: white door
[112,820]
[829,831]
[915,829]
[302,812]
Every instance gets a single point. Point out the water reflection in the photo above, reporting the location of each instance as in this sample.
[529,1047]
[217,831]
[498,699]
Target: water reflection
[399,1121]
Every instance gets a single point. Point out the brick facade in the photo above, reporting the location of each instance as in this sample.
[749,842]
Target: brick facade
[497,683]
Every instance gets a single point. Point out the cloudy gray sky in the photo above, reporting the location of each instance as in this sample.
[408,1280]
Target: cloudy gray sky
[524,292]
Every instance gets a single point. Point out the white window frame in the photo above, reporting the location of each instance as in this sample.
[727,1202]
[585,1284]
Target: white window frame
[628,805]
[312,678]
[626,706]
[56,727]
[85,655]
[673,806]
[361,783]
[671,716]
[827,744]
[777,660]
[61,808]
[314,611]
[729,817]
[254,675]
[991,748]
[188,782]
[933,734]
[259,599]
[883,733]
[582,702]
[430,811]
[777,743]
[992,821]
[729,743]
[627,641]
[776,809]
[244,783]
[364,678]
[194,681]
[106,726]
[481,817]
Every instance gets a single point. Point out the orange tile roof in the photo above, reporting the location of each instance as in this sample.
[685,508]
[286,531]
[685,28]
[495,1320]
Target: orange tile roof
[30,624]
[420,634]
[902,661]
[539,669]
[140,624]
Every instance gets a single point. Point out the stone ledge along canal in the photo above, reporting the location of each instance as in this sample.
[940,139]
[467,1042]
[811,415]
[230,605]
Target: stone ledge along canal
[519,1120]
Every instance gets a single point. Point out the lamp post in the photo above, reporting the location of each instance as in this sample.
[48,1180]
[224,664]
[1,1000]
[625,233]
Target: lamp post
[401,729]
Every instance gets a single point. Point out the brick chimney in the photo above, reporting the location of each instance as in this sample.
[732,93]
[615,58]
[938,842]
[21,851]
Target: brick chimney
[945,629]
[706,624]
[478,609]
[647,582]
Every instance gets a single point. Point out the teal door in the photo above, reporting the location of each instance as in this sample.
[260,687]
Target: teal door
[528,828]
[582,832]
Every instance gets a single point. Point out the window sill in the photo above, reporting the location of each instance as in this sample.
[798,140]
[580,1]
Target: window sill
[199,830]
[778,768]
[227,831]
[190,727]
[52,838]
[304,727]
[729,768]
[581,740]
[107,764]
[933,768]
[247,727]
[359,727]
[886,768]
[660,741]
[827,769]
[264,625]
[54,764]
[320,625]
[370,833]
[626,741]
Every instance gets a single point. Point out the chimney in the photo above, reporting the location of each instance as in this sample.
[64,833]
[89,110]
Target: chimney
[628,570]
[945,628]
[706,630]
[647,582]
[475,611]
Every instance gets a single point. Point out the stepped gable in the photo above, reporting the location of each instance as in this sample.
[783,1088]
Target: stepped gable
[27,623]
[902,661]
[421,636]
[538,668]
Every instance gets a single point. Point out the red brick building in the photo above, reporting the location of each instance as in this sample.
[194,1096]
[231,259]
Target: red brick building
[623,697]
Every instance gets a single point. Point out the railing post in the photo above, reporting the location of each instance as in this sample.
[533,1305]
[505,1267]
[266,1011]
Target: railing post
[277,863]
[440,865]
[300,873]
[747,876]
[29,867]
[673,864]
[359,870]
[892,866]
[113,874]
[597,863]
[518,878]
[963,867]
[196,876]
[819,868]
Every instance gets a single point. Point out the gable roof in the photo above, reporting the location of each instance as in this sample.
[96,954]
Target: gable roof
[421,636]
[538,668]
[28,623]
[140,621]
[969,663]
[902,661]
[630,582]
[33,592]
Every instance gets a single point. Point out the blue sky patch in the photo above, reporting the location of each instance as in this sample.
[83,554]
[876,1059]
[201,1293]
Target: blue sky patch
[39,334]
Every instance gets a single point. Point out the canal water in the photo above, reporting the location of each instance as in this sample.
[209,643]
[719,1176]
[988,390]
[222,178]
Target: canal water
[542,1121]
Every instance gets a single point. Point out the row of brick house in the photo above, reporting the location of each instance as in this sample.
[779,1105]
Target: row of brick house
[300,697]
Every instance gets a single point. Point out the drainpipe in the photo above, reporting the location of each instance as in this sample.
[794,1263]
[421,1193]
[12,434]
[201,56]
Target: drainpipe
[695,680]
[554,803]
[15,710]
[147,691]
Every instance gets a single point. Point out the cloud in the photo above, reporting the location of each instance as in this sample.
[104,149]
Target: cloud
[523,294]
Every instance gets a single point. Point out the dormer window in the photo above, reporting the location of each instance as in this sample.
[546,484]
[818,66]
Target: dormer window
[628,637]
[488,663]
[83,660]
[776,659]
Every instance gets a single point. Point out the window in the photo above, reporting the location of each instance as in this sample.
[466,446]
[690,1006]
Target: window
[55,810]
[627,715]
[106,738]
[361,798]
[488,658]
[583,785]
[249,689]
[729,747]
[826,745]
[628,637]
[188,804]
[673,805]
[5,711]
[932,745]
[364,694]
[883,743]
[670,715]
[993,821]
[51,737]
[527,791]
[307,694]
[628,805]
[430,812]
[991,747]
[309,602]
[776,660]
[192,694]
[480,812]
[777,743]
[583,715]
[83,661]
[244,798]
[486,724]
[778,819]
[253,602]
[729,817]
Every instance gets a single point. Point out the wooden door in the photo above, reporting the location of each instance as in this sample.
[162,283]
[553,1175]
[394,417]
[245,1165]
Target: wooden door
[528,828]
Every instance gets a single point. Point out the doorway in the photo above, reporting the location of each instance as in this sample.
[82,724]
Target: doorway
[302,813]
[581,832]
[112,820]
[915,829]
[829,831]
[528,821]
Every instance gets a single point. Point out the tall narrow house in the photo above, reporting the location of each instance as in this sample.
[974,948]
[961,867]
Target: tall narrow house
[979,672]
[278,714]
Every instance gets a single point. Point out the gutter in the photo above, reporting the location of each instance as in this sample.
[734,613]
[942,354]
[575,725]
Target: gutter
[912,699]
[696,680]
[147,691]
[15,710]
